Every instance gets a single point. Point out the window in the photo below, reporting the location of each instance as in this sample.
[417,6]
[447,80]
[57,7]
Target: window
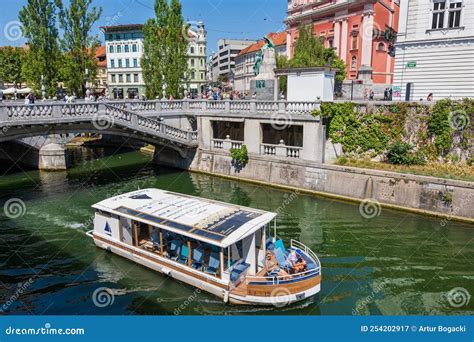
[454,18]
[135,78]
[191,50]
[381,47]
[192,62]
[127,63]
[135,63]
[119,48]
[438,14]
[202,76]
[119,62]
[193,75]
[112,63]
[355,41]
[330,43]
[134,48]
[127,48]
[127,78]
[446,14]
[354,63]
[113,78]
[111,49]
[120,78]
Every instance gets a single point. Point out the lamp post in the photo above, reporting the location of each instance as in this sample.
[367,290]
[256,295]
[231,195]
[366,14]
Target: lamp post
[43,88]
[86,79]
[164,88]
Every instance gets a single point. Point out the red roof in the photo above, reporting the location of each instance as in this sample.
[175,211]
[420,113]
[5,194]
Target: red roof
[100,56]
[277,38]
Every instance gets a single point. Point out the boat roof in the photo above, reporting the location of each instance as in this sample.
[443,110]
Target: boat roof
[218,223]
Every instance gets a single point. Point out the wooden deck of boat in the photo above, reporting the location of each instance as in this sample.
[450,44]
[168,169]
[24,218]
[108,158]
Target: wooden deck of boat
[241,289]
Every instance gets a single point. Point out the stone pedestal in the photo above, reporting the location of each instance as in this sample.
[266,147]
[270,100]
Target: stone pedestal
[52,157]
[265,83]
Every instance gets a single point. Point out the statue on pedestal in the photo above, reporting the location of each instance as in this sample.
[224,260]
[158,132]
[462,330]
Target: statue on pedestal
[263,86]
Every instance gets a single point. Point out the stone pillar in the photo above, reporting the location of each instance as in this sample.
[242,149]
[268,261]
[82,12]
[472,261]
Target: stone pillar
[252,136]
[367,38]
[281,149]
[227,144]
[337,36]
[313,141]
[344,34]
[52,157]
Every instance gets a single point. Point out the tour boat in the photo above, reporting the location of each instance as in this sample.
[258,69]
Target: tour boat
[217,247]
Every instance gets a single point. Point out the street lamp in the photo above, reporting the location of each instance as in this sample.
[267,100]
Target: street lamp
[43,88]
[86,79]
[164,88]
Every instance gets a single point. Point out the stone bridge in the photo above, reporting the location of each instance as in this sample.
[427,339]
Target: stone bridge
[173,125]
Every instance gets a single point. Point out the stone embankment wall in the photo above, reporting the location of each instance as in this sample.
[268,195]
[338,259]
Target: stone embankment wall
[449,199]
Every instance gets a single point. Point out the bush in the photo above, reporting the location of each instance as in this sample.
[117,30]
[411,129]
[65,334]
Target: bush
[400,153]
[240,156]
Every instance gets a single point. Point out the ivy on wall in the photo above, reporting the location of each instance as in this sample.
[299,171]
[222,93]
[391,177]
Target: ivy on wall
[433,131]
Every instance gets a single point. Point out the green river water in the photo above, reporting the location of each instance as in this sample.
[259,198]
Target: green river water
[394,264]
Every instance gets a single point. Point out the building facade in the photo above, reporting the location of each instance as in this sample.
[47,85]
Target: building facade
[363,33]
[245,60]
[100,82]
[124,47]
[197,61]
[223,61]
[435,50]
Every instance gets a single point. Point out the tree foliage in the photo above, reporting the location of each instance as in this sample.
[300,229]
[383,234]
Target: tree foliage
[11,60]
[310,52]
[43,57]
[165,50]
[77,44]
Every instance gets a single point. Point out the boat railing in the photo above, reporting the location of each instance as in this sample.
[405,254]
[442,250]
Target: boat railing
[276,279]
[298,245]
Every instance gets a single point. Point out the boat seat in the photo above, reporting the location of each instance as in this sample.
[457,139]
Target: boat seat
[238,270]
[214,264]
[198,258]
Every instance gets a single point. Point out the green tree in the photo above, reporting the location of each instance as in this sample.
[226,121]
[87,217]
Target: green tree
[310,52]
[77,44]
[165,50]
[11,60]
[43,57]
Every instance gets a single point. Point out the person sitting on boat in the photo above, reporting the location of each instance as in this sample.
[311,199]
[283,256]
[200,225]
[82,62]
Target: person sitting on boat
[296,261]
[271,265]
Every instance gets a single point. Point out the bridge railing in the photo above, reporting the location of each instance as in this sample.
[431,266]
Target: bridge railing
[101,115]
[217,107]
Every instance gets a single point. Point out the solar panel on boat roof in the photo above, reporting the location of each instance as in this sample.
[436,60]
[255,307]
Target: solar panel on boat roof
[217,230]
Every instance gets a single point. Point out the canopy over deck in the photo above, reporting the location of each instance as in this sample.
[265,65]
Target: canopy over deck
[218,223]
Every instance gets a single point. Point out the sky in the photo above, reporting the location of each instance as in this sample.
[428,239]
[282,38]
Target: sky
[248,19]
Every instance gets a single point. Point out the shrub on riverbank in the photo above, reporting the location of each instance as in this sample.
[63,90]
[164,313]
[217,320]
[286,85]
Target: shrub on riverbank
[436,133]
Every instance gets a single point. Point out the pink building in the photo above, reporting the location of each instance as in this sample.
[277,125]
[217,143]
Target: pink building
[363,33]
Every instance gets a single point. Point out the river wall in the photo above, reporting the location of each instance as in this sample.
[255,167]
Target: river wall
[447,199]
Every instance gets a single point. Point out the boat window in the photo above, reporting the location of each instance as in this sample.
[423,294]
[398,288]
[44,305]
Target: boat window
[258,238]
